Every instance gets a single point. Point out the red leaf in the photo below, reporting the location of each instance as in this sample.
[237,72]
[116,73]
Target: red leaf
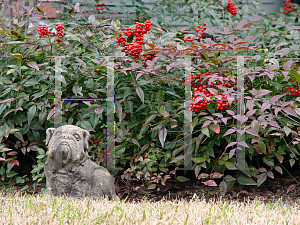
[16,162]
[12,153]
[290,188]
[211,183]
[217,129]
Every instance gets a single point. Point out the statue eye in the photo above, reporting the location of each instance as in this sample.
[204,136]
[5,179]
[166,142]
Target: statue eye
[77,137]
[57,133]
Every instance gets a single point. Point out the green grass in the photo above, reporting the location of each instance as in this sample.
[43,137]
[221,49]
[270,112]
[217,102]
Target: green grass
[43,209]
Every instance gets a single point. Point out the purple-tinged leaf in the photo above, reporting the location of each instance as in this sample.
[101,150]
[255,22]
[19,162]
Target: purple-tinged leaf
[274,124]
[150,118]
[206,123]
[230,112]
[230,131]
[242,143]
[254,92]
[275,98]
[203,176]
[277,110]
[208,117]
[261,117]
[255,139]
[213,91]
[286,103]
[252,132]
[276,134]
[216,175]
[178,159]
[231,153]
[251,112]
[273,67]
[278,168]
[261,178]
[262,93]
[262,170]
[291,187]
[240,118]
[229,178]
[285,73]
[287,65]
[265,106]
[168,67]
[8,100]
[290,111]
[250,104]
[210,183]
[215,114]
[224,120]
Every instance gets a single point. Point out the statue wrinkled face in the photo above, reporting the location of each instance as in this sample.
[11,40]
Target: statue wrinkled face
[67,145]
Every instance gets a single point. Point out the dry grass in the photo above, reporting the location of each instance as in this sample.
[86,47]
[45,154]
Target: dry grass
[40,209]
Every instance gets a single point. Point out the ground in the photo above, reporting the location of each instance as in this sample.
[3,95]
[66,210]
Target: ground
[269,191]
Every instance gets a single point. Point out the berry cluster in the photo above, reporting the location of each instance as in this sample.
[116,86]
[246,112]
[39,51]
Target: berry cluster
[230,7]
[147,57]
[197,29]
[43,30]
[202,88]
[223,103]
[60,29]
[296,92]
[287,7]
[135,48]
[100,5]
[121,40]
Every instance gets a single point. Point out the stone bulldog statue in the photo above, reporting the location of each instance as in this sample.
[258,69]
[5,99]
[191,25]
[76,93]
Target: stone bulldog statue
[68,169]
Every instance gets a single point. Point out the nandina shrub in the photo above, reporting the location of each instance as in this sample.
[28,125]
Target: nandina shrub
[150,98]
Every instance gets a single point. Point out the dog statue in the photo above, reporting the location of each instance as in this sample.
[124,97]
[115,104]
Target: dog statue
[68,168]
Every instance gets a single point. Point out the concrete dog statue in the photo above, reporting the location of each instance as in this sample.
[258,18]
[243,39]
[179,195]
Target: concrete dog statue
[68,169]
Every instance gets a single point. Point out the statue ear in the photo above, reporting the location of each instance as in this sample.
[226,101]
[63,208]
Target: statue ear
[49,133]
[86,137]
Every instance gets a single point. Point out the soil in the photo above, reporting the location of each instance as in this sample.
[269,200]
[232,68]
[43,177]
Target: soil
[269,191]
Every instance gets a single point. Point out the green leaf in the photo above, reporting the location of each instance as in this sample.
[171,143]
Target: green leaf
[278,168]
[152,186]
[140,93]
[30,114]
[182,179]
[150,118]
[162,134]
[119,110]
[292,162]
[223,188]
[199,160]
[229,178]
[210,152]
[40,10]
[17,56]
[244,180]
[19,136]
[261,178]
[41,151]
[269,161]
[224,3]
[230,165]
[71,12]
[205,131]
[33,65]
[262,146]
